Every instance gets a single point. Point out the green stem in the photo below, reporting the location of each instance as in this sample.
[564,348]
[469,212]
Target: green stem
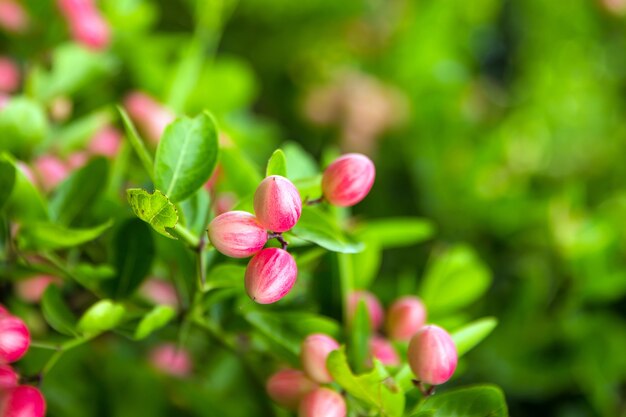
[44,345]
[71,344]
[185,234]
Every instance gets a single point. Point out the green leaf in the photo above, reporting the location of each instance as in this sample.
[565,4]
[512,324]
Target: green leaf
[90,276]
[137,144]
[79,191]
[277,165]
[196,211]
[318,227]
[158,317]
[186,156]
[241,175]
[360,333]
[23,125]
[300,164]
[477,401]
[154,209]
[455,279]
[77,133]
[7,179]
[134,252]
[225,276]
[425,413]
[56,312]
[473,333]
[288,329]
[100,317]
[42,235]
[397,232]
[25,202]
[376,388]
[367,263]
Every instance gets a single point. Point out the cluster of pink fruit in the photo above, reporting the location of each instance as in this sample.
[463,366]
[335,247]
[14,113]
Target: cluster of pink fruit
[16,400]
[272,272]
[431,355]
[86,23]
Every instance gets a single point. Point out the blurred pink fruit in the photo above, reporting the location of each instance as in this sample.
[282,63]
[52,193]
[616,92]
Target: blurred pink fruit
[171,360]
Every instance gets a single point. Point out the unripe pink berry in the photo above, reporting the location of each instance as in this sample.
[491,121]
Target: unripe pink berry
[224,202]
[13,17]
[151,116]
[432,355]
[348,179]
[171,360]
[8,377]
[9,75]
[313,355]
[237,234]
[405,317]
[75,9]
[91,30]
[31,289]
[14,339]
[277,204]
[23,401]
[374,308]
[50,171]
[4,311]
[384,351]
[288,386]
[159,291]
[270,275]
[106,142]
[323,402]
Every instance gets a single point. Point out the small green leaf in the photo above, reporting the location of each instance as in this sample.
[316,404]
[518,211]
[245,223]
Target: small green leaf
[23,125]
[158,317]
[477,401]
[137,144]
[299,163]
[376,388]
[56,312]
[134,252]
[100,317]
[397,232]
[42,236]
[154,209]
[186,156]
[277,165]
[79,191]
[473,333]
[7,179]
[455,279]
[317,227]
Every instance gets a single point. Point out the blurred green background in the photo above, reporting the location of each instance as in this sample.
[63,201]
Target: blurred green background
[503,121]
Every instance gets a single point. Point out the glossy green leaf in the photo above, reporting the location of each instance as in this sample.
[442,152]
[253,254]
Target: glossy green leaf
[455,279]
[100,317]
[154,209]
[472,334]
[42,236]
[137,143]
[56,312]
[225,276]
[318,227]
[477,401]
[157,318]
[7,179]
[186,156]
[288,329]
[397,232]
[79,191]
[299,163]
[23,125]
[277,164]
[134,252]
[376,388]
[196,211]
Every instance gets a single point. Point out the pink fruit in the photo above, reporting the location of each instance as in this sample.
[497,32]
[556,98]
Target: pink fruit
[50,171]
[432,355]
[348,179]
[288,386]
[151,117]
[31,289]
[23,401]
[8,377]
[171,360]
[9,75]
[237,234]
[405,317]
[224,202]
[313,355]
[277,204]
[106,142]
[323,402]
[3,311]
[14,339]
[13,17]
[384,351]
[270,275]
[91,30]
[374,309]
[159,291]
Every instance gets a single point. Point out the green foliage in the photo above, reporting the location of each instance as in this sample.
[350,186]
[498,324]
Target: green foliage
[473,333]
[318,227]
[23,125]
[100,317]
[157,318]
[478,401]
[44,236]
[277,165]
[154,209]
